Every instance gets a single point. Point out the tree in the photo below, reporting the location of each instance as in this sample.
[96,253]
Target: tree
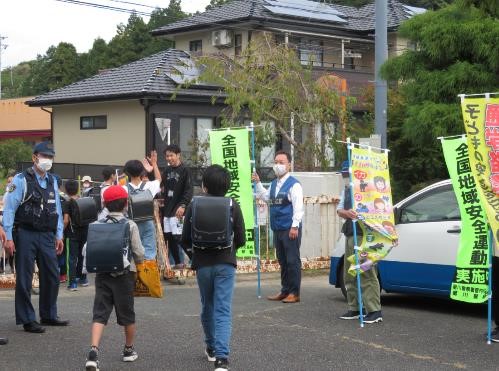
[456,53]
[268,84]
[13,151]
[163,17]
[215,3]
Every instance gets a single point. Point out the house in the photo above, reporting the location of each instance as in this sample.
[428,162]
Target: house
[124,112]
[18,121]
[337,39]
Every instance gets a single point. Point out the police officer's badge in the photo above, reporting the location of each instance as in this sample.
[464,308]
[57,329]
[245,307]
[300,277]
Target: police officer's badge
[11,187]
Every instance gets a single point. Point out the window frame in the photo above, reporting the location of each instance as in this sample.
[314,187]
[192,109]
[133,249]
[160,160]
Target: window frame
[238,48]
[196,45]
[425,195]
[94,126]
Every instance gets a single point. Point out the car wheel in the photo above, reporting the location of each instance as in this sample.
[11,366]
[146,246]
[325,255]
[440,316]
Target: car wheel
[341,281]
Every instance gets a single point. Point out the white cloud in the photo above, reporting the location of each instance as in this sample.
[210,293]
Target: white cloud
[32,26]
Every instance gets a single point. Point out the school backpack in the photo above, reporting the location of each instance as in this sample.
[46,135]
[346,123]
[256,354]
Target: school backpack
[107,245]
[140,203]
[84,211]
[211,225]
[96,193]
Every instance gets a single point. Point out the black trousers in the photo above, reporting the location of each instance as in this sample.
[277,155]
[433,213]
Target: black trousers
[36,246]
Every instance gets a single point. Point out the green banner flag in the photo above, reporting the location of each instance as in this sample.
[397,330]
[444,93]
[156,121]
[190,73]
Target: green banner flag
[230,148]
[470,283]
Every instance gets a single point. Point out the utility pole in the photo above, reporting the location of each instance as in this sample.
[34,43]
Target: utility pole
[2,47]
[380,56]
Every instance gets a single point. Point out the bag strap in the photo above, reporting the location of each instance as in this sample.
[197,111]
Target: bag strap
[142,185]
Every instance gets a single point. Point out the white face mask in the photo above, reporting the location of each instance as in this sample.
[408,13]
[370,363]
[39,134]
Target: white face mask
[45,164]
[279,169]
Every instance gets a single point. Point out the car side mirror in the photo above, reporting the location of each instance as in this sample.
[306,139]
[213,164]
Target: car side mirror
[396,214]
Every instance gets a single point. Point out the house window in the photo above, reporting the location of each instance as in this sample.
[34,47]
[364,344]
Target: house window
[311,51]
[238,44]
[194,139]
[93,122]
[196,45]
[349,63]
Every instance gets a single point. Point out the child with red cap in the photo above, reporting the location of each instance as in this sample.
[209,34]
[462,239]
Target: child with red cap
[116,289]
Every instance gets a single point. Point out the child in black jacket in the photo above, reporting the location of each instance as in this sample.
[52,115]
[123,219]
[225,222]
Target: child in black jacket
[215,272]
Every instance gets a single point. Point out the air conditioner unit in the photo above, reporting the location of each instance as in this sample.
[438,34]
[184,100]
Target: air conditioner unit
[221,38]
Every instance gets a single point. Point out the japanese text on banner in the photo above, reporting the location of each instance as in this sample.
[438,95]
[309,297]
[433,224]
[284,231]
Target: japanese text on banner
[230,149]
[470,283]
[373,204]
[481,121]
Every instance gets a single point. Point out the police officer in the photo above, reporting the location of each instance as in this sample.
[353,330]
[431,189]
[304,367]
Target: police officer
[33,222]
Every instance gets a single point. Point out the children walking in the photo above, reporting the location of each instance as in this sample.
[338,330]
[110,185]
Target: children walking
[76,237]
[115,290]
[215,264]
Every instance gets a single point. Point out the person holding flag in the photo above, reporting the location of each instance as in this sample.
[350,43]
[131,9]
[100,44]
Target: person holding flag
[369,279]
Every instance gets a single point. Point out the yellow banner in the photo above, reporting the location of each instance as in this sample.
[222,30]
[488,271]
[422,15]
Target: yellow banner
[481,121]
[373,203]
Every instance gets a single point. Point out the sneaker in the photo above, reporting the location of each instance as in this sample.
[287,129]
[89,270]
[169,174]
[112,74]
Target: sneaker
[210,354]
[73,286]
[129,354]
[92,363]
[494,335]
[351,314]
[221,364]
[84,282]
[373,317]
[62,278]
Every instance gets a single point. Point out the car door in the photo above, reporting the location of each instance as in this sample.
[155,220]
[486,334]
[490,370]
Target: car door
[428,227]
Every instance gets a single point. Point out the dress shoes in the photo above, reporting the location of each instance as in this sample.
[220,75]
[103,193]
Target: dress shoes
[54,322]
[3,341]
[277,297]
[291,298]
[34,327]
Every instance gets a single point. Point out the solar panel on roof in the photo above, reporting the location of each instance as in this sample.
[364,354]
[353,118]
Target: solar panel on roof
[300,13]
[412,10]
[186,72]
[306,5]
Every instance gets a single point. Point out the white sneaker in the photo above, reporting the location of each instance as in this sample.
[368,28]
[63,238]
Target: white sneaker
[210,354]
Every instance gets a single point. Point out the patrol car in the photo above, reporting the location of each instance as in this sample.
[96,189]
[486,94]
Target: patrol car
[428,224]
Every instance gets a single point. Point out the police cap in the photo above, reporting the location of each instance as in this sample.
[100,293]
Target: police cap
[45,148]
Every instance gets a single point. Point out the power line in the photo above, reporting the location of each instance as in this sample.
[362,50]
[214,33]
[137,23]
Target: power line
[106,7]
[127,2]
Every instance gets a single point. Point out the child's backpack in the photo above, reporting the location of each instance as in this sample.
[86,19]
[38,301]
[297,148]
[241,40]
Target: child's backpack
[107,245]
[211,226]
[84,211]
[96,193]
[140,203]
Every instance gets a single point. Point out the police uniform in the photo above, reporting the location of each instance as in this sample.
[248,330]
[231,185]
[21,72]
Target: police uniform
[33,219]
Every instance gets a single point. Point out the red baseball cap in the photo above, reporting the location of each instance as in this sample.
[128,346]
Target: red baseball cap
[114,192]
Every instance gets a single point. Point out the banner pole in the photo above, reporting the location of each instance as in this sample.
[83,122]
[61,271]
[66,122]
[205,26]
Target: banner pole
[255,212]
[489,302]
[354,222]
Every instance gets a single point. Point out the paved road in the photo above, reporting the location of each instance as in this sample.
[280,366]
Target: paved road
[417,334]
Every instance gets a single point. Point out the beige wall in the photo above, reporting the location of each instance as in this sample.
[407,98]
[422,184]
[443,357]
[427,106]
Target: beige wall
[182,42]
[17,116]
[123,139]
[396,45]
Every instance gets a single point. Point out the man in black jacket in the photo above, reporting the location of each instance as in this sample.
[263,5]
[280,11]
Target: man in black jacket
[177,188]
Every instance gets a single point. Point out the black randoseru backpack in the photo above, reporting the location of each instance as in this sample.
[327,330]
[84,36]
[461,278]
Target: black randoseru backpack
[107,244]
[211,226]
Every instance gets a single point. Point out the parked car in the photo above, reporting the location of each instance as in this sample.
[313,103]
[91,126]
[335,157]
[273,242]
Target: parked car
[428,224]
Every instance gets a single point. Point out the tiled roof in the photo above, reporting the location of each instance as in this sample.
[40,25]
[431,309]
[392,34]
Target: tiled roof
[144,78]
[359,19]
